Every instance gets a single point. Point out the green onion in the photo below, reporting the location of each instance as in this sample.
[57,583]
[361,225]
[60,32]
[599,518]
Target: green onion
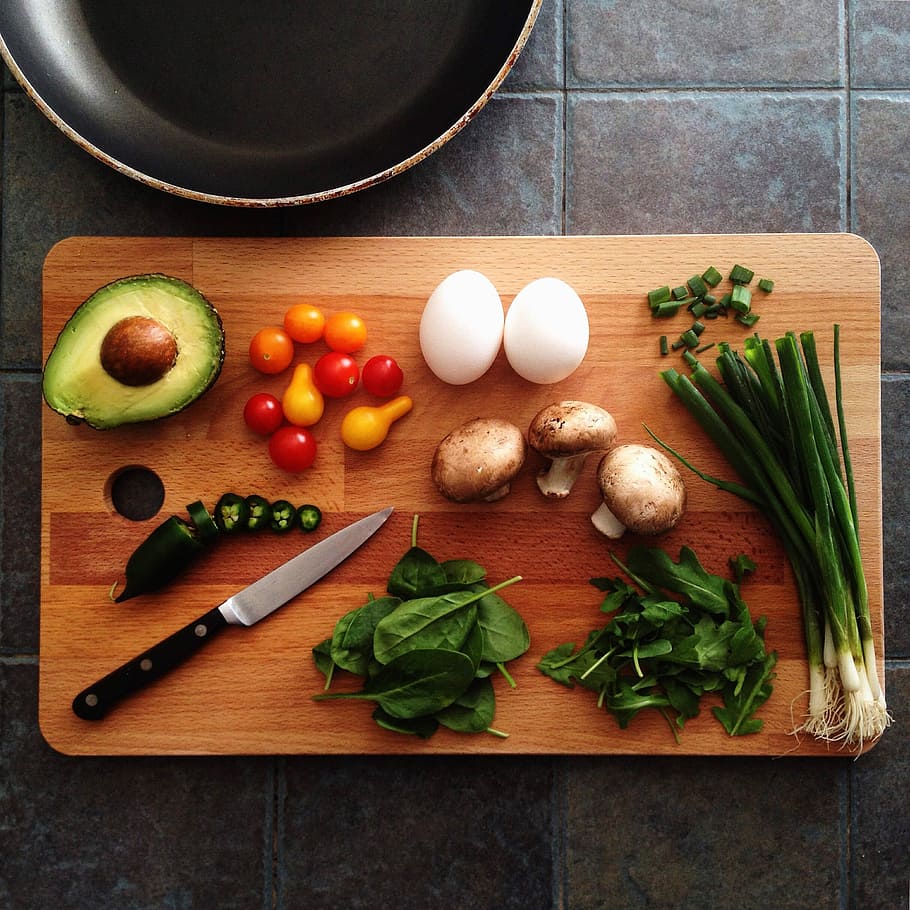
[664,347]
[697,286]
[766,285]
[741,298]
[666,308]
[747,319]
[658,295]
[712,276]
[770,417]
[739,274]
[680,292]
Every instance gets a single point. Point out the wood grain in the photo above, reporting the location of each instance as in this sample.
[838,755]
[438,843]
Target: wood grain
[251,690]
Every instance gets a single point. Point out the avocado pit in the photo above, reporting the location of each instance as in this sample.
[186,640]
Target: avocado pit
[138,351]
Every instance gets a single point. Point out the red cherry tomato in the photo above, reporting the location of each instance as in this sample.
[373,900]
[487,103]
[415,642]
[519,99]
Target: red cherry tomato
[263,414]
[292,448]
[382,376]
[336,374]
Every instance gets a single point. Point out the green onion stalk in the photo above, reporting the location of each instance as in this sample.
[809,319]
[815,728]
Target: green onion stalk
[771,419]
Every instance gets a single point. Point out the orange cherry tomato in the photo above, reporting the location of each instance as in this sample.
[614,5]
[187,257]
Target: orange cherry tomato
[271,350]
[345,332]
[304,323]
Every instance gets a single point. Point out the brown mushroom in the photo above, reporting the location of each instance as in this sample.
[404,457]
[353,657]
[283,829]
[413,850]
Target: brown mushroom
[478,460]
[566,433]
[642,491]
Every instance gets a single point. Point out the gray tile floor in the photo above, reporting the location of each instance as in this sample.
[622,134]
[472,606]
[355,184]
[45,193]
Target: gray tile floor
[622,116]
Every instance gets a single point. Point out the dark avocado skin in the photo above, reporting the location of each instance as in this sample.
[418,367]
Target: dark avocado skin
[75,384]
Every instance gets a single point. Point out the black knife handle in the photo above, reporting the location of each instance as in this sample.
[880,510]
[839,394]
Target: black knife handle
[95,701]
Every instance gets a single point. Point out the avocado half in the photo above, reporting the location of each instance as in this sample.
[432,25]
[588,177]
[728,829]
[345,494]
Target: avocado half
[140,348]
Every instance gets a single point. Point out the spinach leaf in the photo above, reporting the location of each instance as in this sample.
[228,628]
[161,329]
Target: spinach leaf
[463,571]
[322,657]
[424,727]
[472,711]
[425,622]
[505,634]
[415,684]
[422,648]
[415,575]
[473,647]
[352,639]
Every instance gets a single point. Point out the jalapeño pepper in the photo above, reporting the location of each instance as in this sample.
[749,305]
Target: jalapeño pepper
[284,516]
[176,542]
[260,513]
[232,513]
[309,517]
[163,555]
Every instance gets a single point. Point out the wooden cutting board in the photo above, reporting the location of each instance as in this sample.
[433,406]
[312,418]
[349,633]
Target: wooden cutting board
[251,690]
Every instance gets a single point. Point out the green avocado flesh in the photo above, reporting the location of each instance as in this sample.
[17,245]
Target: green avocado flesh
[78,386]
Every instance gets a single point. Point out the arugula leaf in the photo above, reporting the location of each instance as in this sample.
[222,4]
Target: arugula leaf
[686,577]
[664,652]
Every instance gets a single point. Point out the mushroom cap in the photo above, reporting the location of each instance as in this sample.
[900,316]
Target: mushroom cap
[478,458]
[569,428]
[642,488]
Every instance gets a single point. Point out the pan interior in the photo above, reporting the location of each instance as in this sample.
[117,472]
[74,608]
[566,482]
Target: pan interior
[270,99]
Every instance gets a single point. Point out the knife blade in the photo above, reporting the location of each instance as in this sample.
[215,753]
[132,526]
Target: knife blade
[244,608]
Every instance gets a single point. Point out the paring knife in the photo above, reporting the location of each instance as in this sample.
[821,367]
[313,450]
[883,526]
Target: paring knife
[248,606]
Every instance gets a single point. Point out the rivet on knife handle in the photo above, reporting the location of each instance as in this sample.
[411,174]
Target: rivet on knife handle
[95,701]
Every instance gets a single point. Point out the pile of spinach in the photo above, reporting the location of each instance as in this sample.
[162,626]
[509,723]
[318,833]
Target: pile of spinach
[428,648]
[676,633]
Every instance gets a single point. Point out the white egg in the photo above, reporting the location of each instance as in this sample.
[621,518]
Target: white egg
[546,331]
[461,327]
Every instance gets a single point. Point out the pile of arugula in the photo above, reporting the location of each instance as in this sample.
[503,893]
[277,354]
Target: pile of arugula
[681,633]
[428,649]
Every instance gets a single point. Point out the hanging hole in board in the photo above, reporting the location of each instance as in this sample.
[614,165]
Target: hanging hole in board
[136,492]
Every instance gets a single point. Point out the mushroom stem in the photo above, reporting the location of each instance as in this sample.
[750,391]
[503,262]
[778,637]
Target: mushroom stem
[556,481]
[607,523]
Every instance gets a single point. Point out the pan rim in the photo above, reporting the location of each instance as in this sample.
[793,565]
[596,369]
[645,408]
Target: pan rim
[307,198]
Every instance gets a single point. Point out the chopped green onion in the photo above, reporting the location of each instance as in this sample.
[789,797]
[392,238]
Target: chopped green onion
[698,327]
[709,299]
[739,274]
[704,347]
[712,276]
[665,309]
[697,286]
[698,309]
[689,338]
[741,299]
[680,292]
[766,285]
[664,347]
[659,295]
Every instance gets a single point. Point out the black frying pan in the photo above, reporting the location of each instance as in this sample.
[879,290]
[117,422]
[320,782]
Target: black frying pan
[262,102]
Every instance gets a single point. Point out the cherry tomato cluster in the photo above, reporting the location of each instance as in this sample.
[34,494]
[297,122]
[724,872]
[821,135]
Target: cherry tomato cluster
[335,374]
